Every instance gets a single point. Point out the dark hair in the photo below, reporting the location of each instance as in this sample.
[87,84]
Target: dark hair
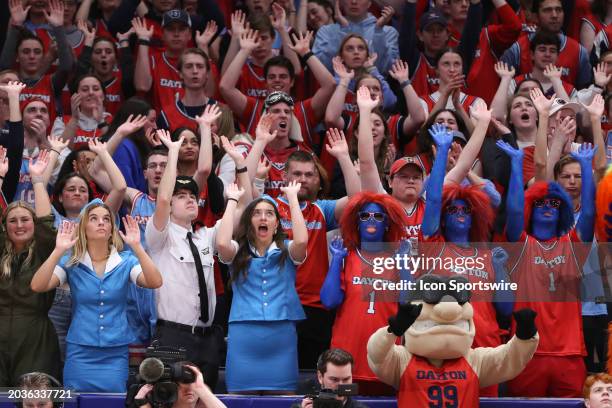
[304,157]
[562,162]
[518,85]
[327,5]
[336,356]
[195,51]
[262,23]
[157,150]
[445,51]
[384,146]
[599,9]
[174,136]
[27,35]
[279,61]
[67,165]
[535,6]
[74,85]
[133,106]
[102,39]
[424,139]
[59,188]
[543,37]
[245,235]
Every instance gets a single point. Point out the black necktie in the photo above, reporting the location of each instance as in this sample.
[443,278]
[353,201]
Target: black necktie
[201,280]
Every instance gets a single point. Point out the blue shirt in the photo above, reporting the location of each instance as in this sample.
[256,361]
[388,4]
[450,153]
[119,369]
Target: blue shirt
[267,293]
[129,162]
[99,315]
[142,210]
[383,41]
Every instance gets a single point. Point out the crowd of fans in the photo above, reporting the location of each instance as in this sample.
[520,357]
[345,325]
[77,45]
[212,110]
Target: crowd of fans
[172,171]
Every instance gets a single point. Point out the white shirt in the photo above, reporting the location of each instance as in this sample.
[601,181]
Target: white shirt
[178,298]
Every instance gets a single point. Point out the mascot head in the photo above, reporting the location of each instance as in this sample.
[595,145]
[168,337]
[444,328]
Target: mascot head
[445,326]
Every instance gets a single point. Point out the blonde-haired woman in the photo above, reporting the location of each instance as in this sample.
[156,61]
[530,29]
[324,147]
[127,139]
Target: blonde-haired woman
[98,272]
[27,337]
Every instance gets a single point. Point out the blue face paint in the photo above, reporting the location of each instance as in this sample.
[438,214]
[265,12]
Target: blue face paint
[545,218]
[373,222]
[457,218]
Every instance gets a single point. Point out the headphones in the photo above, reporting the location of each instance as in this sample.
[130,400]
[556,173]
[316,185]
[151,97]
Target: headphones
[52,380]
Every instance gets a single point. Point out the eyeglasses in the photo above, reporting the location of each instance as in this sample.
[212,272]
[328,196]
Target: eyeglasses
[454,209]
[550,202]
[366,216]
[278,97]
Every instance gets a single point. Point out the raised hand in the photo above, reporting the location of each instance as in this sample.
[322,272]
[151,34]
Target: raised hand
[552,72]
[152,137]
[504,70]
[233,192]
[38,129]
[585,153]
[370,61]
[4,164]
[37,168]
[140,28]
[336,143]
[337,249]
[262,132]
[514,154]
[596,108]
[601,77]
[385,16]
[75,104]
[209,116]
[263,168]
[97,146]
[407,313]
[500,127]
[399,71]
[480,112]
[232,151]
[12,88]
[57,143]
[565,130]
[203,38]
[239,23]
[301,44]
[541,102]
[55,15]
[455,84]
[19,14]
[279,17]
[390,156]
[66,236]
[364,99]
[164,137]
[132,231]
[341,70]
[291,190]
[340,19]
[125,36]
[442,137]
[89,33]
[249,40]
[131,125]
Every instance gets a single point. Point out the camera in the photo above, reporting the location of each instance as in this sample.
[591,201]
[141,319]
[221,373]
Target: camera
[326,398]
[163,367]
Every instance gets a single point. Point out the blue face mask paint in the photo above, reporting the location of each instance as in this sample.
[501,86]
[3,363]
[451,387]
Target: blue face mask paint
[545,218]
[373,222]
[457,221]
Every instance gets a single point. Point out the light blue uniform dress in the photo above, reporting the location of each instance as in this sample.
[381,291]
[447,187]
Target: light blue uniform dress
[99,334]
[262,339]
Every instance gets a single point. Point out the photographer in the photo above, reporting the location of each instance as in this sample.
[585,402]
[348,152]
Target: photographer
[334,368]
[192,395]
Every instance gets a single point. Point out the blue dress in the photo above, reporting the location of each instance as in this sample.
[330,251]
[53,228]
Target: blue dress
[96,344]
[265,309]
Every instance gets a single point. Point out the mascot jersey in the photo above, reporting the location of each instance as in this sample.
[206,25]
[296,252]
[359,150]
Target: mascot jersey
[361,313]
[454,384]
[547,274]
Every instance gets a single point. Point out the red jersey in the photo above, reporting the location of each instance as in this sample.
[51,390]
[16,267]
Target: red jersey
[361,314]
[425,79]
[252,81]
[413,226]
[568,60]
[551,271]
[166,79]
[81,136]
[581,10]
[102,29]
[602,41]
[465,100]
[494,40]
[455,384]
[569,88]
[302,111]
[176,117]
[277,159]
[319,217]
[43,90]
[206,218]
[113,91]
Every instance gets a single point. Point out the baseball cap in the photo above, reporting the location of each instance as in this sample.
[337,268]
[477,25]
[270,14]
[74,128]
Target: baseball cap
[432,16]
[175,15]
[559,104]
[404,161]
[185,183]
[459,135]
[277,97]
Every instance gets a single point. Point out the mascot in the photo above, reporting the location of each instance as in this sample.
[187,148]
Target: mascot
[436,367]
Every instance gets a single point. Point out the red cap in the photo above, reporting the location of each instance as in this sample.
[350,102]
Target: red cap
[400,163]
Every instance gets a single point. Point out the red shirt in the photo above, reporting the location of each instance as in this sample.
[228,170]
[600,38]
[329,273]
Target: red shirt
[166,79]
[425,79]
[277,159]
[252,81]
[361,313]
[113,94]
[81,136]
[43,90]
[465,100]
[455,384]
